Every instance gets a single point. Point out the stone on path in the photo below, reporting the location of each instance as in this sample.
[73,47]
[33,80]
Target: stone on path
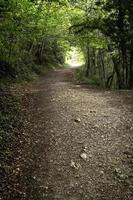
[78,120]
[83,156]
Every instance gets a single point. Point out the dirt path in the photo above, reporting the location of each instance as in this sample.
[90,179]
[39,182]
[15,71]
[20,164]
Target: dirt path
[78,141]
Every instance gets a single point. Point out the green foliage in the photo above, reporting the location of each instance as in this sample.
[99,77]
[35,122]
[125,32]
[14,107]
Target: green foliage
[93,80]
[39,33]
[31,34]
[107,24]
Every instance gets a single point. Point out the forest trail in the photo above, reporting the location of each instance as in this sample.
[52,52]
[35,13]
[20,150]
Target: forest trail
[79,141]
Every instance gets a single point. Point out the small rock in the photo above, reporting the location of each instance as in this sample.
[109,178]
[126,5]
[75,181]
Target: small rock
[101,172]
[131,128]
[122,176]
[96,126]
[74,165]
[90,155]
[77,120]
[85,149]
[118,171]
[100,165]
[44,187]
[92,111]
[18,169]
[77,176]
[83,156]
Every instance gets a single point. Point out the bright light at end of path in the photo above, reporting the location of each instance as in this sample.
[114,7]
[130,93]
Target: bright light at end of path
[75,57]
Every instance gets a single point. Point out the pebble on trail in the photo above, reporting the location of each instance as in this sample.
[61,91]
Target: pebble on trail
[78,120]
[83,156]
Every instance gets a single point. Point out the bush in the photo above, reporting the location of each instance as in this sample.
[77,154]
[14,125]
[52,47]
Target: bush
[81,76]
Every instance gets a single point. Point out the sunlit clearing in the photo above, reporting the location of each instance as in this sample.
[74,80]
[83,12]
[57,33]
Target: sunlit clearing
[75,57]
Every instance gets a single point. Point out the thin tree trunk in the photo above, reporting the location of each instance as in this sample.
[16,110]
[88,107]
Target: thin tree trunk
[131,70]
[88,62]
[118,74]
[102,68]
[31,47]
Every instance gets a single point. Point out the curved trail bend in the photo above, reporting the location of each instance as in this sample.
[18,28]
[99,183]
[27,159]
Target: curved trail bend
[79,145]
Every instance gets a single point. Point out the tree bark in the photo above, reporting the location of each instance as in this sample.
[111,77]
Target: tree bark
[88,62]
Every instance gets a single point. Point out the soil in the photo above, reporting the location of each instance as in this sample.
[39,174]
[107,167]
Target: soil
[76,142]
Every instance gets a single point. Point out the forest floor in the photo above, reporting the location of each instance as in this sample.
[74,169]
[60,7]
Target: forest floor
[77,142]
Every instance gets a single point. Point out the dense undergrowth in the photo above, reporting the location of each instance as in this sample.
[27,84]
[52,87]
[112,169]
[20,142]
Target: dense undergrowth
[94,80]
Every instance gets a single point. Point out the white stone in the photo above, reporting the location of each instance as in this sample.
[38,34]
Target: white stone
[83,156]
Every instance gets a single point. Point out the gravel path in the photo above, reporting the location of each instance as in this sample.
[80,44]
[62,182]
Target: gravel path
[79,143]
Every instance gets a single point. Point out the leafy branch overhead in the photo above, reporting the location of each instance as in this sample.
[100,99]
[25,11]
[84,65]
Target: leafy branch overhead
[40,32]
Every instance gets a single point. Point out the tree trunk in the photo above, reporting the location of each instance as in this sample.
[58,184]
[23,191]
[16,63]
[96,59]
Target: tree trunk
[118,74]
[88,62]
[131,70]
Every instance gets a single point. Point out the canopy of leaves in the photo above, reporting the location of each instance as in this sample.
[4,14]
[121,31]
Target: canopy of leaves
[37,32]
